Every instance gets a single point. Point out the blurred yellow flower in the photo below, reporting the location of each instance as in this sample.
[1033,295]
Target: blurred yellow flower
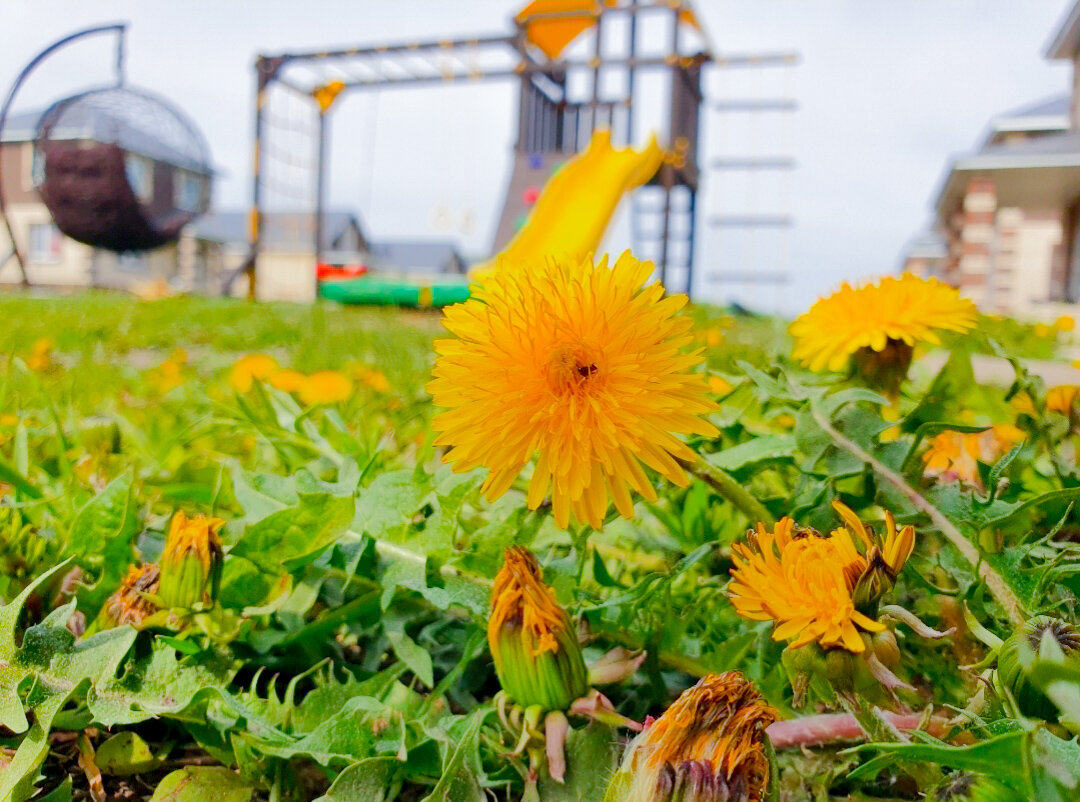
[325,387]
[250,369]
[879,324]
[1062,398]
[1042,330]
[579,365]
[8,420]
[1065,323]
[40,358]
[288,381]
[714,337]
[170,373]
[377,382]
[719,386]
[956,455]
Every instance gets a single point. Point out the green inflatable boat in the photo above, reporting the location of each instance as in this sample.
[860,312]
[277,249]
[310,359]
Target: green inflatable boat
[377,291]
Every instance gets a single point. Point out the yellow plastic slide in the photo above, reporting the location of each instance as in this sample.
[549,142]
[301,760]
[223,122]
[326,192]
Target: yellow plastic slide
[577,204]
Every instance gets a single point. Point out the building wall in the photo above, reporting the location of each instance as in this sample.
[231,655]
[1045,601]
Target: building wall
[68,266]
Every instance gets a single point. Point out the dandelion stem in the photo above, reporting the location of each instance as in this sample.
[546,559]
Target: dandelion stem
[724,483]
[995,583]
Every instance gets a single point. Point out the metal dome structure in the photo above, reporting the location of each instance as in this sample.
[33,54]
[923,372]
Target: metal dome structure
[121,168]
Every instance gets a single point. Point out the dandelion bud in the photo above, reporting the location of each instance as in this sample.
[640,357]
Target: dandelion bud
[1031,700]
[536,653]
[963,786]
[708,747]
[191,562]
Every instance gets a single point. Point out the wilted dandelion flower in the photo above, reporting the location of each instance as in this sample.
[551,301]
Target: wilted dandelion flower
[708,747]
[250,369]
[811,586]
[130,603]
[579,365]
[878,325]
[326,387]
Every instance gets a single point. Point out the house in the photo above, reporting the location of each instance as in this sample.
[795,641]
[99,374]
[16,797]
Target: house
[169,179]
[417,256]
[1008,213]
[287,255]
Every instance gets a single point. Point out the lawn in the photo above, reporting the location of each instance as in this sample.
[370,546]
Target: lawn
[325,635]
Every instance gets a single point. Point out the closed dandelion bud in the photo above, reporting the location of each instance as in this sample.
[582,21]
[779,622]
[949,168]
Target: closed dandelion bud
[191,562]
[885,648]
[964,786]
[710,746]
[536,653]
[1031,700]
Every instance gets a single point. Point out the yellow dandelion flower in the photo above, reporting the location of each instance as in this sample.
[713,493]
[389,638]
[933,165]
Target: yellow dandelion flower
[1042,331]
[579,365]
[720,386]
[326,387]
[953,453]
[1065,323]
[1062,399]
[288,381]
[40,358]
[879,322]
[806,583]
[250,369]
[377,381]
[536,653]
[714,337]
[709,746]
[8,419]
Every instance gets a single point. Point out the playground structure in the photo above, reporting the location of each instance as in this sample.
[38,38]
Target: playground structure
[557,119]
[118,168]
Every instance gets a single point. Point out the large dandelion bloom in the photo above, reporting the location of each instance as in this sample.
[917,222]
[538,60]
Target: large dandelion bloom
[812,587]
[579,365]
[708,747]
[879,324]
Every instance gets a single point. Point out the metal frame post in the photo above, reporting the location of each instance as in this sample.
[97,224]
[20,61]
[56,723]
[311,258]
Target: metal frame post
[320,196]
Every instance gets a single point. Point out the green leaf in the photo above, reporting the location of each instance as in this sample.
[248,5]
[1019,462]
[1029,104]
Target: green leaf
[371,780]
[592,756]
[457,784]
[203,784]
[408,651]
[752,452]
[12,477]
[285,540]
[52,668]
[125,753]
[386,505]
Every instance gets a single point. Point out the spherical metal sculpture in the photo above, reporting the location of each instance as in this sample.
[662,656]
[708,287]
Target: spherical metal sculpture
[121,169]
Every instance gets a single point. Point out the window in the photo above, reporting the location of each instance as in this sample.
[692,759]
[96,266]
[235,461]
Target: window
[188,194]
[140,176]
[46,242]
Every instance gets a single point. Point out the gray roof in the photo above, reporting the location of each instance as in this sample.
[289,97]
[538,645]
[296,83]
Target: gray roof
[1065,40]
[1043,170]
[280,230]
[1051,114]
[417,255]
[137,121]
[926,245]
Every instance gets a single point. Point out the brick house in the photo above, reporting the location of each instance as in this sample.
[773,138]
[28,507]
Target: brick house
[1007,216]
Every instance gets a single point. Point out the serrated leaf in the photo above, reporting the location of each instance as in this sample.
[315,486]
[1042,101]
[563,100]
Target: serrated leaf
[592,756]
[456,783]
[752,452]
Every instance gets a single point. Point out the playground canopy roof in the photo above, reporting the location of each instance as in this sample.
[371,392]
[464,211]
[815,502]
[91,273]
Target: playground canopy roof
[282,231]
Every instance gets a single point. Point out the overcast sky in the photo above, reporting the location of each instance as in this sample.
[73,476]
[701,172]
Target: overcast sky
[888,89]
